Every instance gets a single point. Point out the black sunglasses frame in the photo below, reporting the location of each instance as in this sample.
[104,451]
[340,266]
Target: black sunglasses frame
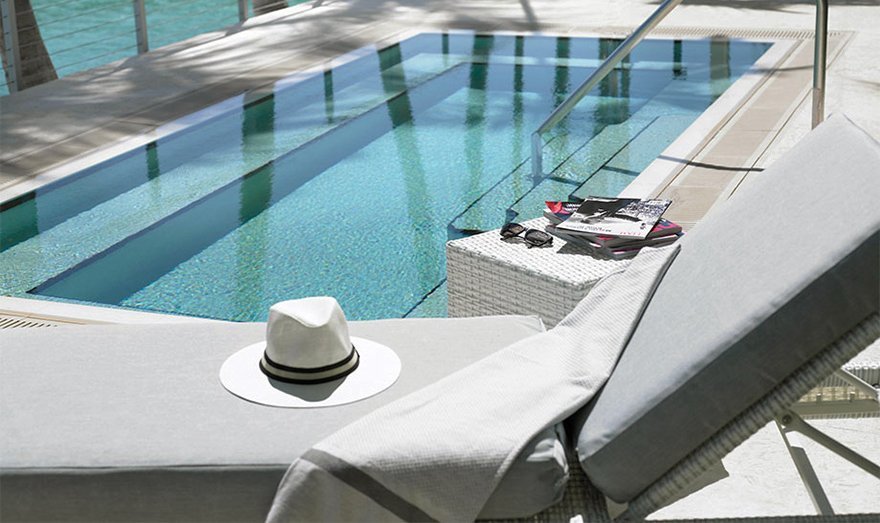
[533,237]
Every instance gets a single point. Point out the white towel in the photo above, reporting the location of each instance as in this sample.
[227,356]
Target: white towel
[439,453]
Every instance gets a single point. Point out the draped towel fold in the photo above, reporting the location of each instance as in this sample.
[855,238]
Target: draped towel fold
[439,453]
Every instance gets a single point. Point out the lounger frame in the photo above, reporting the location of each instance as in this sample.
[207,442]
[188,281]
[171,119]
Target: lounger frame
[582,499]
[774,405]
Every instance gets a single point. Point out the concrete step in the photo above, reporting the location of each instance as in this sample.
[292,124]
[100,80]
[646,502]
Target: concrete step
[519,191]
[635,143]
[603,165]
[610,178]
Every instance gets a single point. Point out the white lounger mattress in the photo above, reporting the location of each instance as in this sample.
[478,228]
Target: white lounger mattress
[131,423]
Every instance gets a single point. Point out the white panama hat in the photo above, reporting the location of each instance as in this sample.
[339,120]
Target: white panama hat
[309,360]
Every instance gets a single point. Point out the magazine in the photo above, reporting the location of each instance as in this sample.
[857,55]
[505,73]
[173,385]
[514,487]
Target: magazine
[662,229]
[617,252]
[625,217]
[558,212]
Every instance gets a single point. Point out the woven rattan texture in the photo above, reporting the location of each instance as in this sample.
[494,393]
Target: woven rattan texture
[487,275]
[743,426]
[582,499]
[840,518]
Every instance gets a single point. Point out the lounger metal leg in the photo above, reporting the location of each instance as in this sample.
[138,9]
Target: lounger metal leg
[808,475]
[791,422]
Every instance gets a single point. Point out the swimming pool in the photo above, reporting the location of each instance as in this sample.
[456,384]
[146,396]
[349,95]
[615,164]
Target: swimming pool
[349,182]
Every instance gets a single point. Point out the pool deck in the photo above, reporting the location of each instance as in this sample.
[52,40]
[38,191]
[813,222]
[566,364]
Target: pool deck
[50,125]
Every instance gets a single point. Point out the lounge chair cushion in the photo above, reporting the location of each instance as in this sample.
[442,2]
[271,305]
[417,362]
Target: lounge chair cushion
[767,280]
[131,423]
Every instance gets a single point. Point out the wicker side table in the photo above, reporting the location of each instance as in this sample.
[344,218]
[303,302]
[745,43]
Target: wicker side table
[487,276]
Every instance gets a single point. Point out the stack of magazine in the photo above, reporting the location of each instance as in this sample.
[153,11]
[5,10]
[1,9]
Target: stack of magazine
[612,227]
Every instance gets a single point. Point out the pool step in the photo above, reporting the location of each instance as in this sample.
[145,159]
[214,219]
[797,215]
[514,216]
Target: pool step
[219,142]
[604,165]
[179,188]
[611,149]
[633,158]
[502,202]
[651,129]
[432,305]
[489,211]
[670,112]
[139,258]
[636,142]
[607,163]
[588,63]
[647,140]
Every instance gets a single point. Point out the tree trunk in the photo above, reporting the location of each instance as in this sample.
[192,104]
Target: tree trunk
[36,65]
[262,7]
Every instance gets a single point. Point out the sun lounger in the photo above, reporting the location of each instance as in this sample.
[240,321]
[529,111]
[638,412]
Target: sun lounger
[130,422]
[771,293]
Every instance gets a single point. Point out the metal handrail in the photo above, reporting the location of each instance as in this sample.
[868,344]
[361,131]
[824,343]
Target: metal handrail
[598,75]
[820,55]
[623,50]
[140,26]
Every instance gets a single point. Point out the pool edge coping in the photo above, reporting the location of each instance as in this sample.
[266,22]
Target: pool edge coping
[700,132]
[76,313]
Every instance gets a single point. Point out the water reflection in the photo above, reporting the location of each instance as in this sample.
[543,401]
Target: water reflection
[678,71]
[258,133]
[719,65]
[328,95]
[561,88]
[418,199]
[475,117]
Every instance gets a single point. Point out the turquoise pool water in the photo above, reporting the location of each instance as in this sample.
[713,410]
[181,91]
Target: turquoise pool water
[349,183]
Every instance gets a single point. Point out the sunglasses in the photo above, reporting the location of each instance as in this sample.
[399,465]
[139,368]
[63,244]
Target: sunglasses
[533,237]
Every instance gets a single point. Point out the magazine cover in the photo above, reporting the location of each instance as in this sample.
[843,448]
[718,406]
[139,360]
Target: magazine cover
[558,212]
[626,217]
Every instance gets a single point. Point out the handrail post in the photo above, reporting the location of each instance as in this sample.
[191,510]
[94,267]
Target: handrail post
[242,10]
[140,26]
[820,55]
[10,43]
[537,156]
[598,75]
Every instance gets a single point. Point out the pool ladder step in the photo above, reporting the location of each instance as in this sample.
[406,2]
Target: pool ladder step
[617,172]
[634,157]
[590,169]
[519,194]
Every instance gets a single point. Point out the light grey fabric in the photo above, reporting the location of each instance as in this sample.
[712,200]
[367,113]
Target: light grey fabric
[762,284]
[130,423]
[439,453]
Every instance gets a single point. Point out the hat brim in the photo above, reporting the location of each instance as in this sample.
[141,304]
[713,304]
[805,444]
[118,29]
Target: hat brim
[378,369]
